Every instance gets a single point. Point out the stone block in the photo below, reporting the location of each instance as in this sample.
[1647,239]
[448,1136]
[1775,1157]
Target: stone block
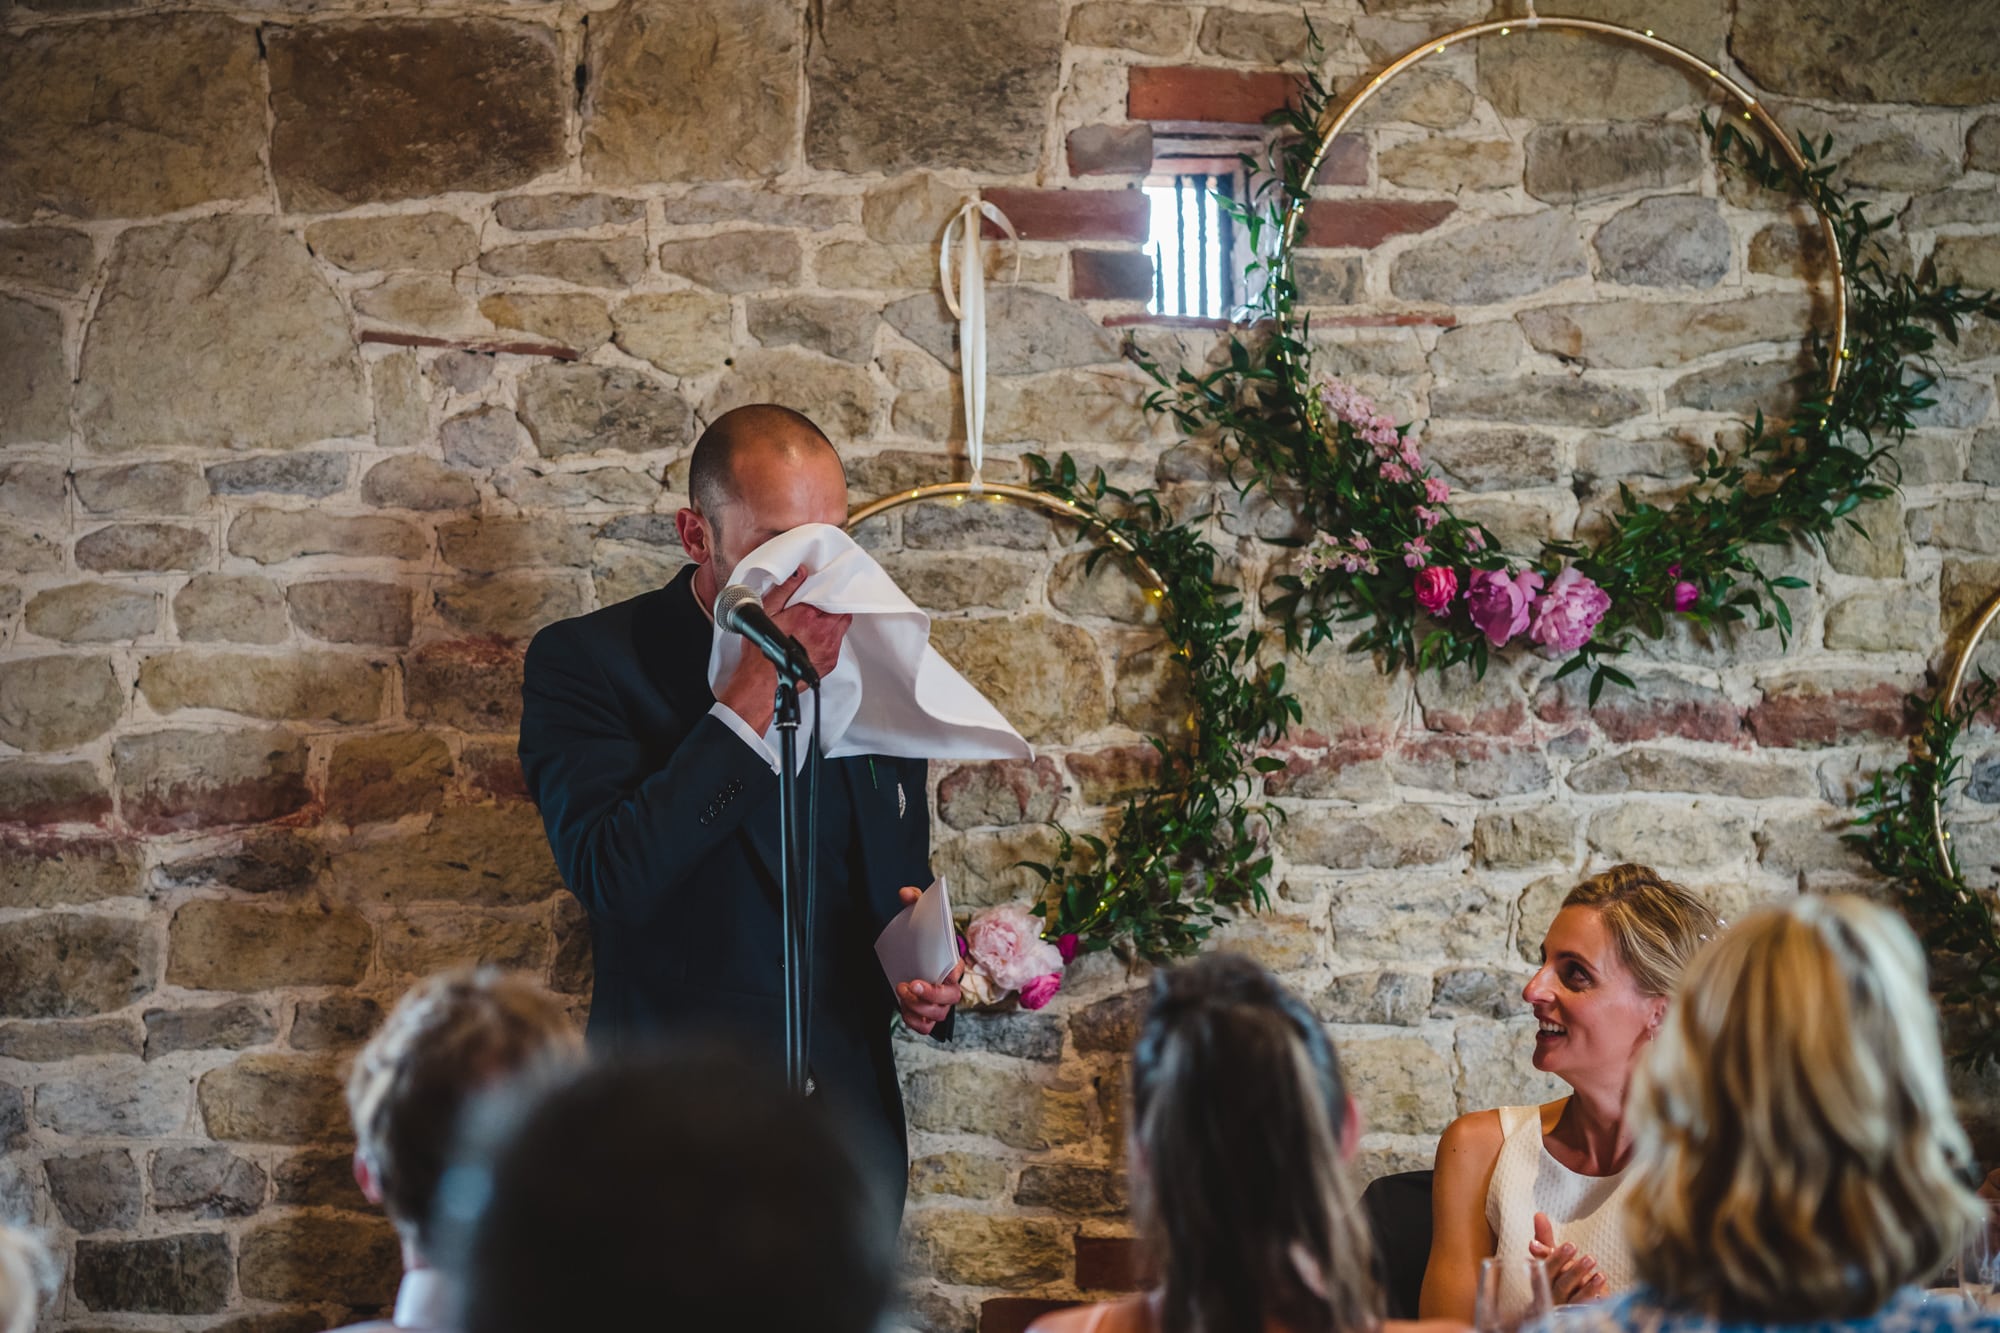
[1510,840]
[957,1173]
[1002,792]
[1496,1064]
[1071,1189]
[34,389]
[470,684]
[115,1099]
[1073,215]
[623,488]
[1214,96]
[419,944]
[46,870]
[1404,1081]
[571,409]
[1661,706]
[683,333]
[616,263]
[228,1027]
[623,575]
[96,1191]
[271,536]
[739,261]
[401,241]
[27,553]
[368,112]
[1693,835]
[1109,1026]
[318,1179]
[1569,164]
[141,488]
[1496,260]
[986,1250]
[274,1099]
[1817,708]
[1019,1034]
[884,85]
[1044,675]
[1495,458]
[267,860]
[352,610]
[1628,335]
[1666,241]
[49,1042]
[57,259]
[34,793]
[143,548]
[1363,224]
[334,1022]
[55,703]
[272,333]
[341,1260]
[1110,150]
[224,944]
[1386,997]
[483,438]
[1959,525]
[838,326]
[425,303]
[581,323]
[1327,279]
[1115,773]
[312,474]
[1403,835]
[1347,772]
[1414,919]
[1479,992]
[1742,388]
[178,1275]
[489,543]
[1649,769]
[1861,52]
[1452,164]
[840,398]
[207,1182]
[339,687]
[387,775]
[1883,622]
[85,106]
[1567,76]
[1345,698]
[93,613]
[949,583]
[1808,843]
[1030,331]
[1956,404]
[494,855]
[1481,768]
[402,403]
[230,608]
[1147,30]
[567,211]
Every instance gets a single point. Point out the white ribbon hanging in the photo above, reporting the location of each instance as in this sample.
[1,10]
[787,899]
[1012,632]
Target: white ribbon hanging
[968,306]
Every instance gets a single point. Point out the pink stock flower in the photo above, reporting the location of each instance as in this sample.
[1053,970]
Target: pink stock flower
[1428,518]
[1568,612]
[1360,542]
[1416,552]
[1475,540]
[1412,460]
[1436,586]
[1685,595]
[1395,473]
[1436,491]
[1498,604]
[1355,408]
[1006,944]
[1381,432]
[1040,990]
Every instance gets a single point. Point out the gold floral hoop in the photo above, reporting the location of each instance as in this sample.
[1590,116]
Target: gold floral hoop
[1955,680]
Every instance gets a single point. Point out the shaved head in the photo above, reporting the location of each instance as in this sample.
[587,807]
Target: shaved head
[758,428]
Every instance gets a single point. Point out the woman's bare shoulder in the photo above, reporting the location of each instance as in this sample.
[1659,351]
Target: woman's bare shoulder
[1126,1316]
[1475,1133]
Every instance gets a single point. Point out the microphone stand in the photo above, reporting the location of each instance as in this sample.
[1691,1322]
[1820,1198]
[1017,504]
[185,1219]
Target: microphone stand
[795,918]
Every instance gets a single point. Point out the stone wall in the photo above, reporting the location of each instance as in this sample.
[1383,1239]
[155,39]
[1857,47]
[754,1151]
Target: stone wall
[339,351]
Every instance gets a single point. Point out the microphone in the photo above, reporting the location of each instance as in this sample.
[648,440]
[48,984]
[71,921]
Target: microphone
[741,611]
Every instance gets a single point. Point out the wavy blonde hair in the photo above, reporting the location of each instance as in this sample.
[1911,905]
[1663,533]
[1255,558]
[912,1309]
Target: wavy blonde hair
[1796,1155]
[1655,923]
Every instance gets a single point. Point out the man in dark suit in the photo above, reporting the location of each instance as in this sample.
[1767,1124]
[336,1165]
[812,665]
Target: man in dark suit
[661,801]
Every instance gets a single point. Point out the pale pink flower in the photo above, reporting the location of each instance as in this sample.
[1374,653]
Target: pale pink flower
[1428,518]
[1475,540]
[1006,944]
[1498,603]
[1416,552]
[1395,473]
[1040,990]
[1360,542]
[1341,399]
[1436,491]
[1568,612]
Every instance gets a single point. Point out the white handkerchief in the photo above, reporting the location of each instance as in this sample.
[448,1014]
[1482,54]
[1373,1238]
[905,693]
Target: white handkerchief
[891,693]
[919,943]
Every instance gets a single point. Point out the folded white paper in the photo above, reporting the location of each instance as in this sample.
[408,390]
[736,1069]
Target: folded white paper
[919,943]
[891,693]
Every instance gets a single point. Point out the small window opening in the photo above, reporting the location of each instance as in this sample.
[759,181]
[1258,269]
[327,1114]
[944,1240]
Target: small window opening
[1199,251]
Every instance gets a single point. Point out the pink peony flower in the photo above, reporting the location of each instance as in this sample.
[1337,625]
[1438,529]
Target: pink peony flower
[1040,990]
[1499,604]
[1006,944]
[1436,491]
[1416,552]
[1685,595]
[1568,612]
[1436,586]
[1066,946]
[1395,473]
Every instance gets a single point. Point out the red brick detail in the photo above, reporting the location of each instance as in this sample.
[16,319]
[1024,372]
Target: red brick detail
[1214,96]
[1805,715]
[1111,1263]
[1363,224]
[1012,1314]
[1111,150]
[1345,163]
[1110,275]
[1073,215]
[1166,322]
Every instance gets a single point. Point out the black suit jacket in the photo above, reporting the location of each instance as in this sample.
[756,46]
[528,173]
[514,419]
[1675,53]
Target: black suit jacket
[664,824]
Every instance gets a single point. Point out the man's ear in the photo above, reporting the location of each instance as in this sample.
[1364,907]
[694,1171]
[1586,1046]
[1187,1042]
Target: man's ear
[692,529]
[1352,1127]
[364,1176]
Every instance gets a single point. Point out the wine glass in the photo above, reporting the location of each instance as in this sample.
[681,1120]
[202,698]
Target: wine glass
[1512,1293]
[1976,1264]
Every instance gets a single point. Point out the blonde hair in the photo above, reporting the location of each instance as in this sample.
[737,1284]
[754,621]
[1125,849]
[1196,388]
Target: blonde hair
[1243,1196]
[29,1275]
[1655,923]
[1796,1155]
[447,1040]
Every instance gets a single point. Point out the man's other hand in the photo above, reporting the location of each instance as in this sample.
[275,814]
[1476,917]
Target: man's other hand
[925,1004]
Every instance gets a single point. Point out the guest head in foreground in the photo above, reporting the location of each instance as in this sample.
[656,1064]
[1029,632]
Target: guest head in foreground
[1797,1158]
[1240,1133]
[683,1189]
[448,1039]
[1546,1182]
[29,1278]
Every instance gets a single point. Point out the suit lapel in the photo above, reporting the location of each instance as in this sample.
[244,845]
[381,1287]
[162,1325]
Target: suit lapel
[671,635]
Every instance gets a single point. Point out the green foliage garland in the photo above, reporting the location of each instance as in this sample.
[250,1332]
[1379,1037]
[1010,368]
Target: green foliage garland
[1899,812]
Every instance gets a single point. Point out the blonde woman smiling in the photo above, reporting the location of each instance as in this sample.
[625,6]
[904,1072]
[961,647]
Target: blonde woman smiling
[1797,1161]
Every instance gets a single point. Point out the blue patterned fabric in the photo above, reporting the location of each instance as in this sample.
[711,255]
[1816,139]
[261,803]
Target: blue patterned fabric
[1908,1311]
